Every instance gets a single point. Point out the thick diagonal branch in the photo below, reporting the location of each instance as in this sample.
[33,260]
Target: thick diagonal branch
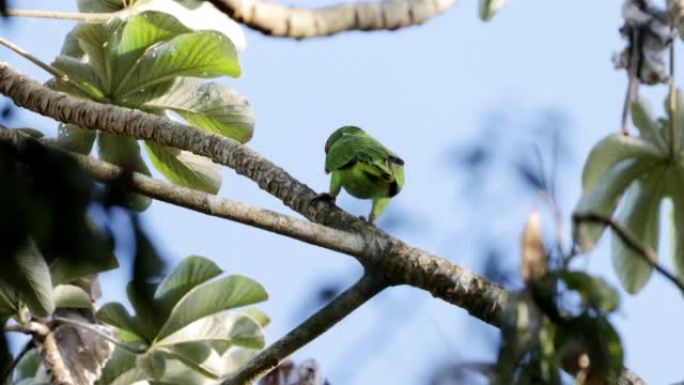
[401,264]
[358,294]
[283,21]
[309,232]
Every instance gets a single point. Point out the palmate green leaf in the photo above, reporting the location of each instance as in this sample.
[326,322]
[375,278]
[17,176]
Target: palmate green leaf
[612,150]
[75,139]
[677,197]
[640,216]
[71,46]
[120,370]
[198,356]
[649,129]
[71,296]
[210,298]
[603,198]
[259,316]
[198,16]
[678,121]
[191,272]
[28,366]
[488,8]
[138,34]
[203,54]
[102,6]
[185,168]
[115,314]
[80,72]
[228,326]
[594,291]
[153,363]
[125,152]
[28,276]
[211,106]
[93,40]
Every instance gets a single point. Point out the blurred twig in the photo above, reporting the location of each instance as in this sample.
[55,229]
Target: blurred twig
[632,242]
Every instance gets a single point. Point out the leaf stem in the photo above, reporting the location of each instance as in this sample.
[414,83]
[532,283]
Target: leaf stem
[648,255]
[58,74]
[78,16]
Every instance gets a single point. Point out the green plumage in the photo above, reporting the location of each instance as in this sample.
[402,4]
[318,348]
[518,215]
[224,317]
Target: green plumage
[364,167]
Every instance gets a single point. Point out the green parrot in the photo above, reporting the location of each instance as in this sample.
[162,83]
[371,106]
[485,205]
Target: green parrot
[364,167]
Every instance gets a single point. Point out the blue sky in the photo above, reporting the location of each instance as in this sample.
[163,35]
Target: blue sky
[425,92]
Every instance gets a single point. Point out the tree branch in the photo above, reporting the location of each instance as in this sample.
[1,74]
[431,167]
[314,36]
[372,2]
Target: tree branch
[352,298]
[628,239]
[309,232]
[283,21]
[400,263]
[79,16]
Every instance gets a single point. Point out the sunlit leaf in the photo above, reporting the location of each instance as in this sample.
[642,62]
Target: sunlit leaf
[210,298]
[211,106]
[121,370]
[648,127]
[191,272]
[229,326]
[115,314]
[198,16]
[640,216]
[612,150]
[185,168]
[603,199]
[153,363]
[72,297]
[203,54]
[81,73]
[138,34]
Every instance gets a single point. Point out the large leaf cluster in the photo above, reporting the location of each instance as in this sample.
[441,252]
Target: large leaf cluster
[542,334]
[187,333]
[48,240]
[640,172]
[152,61]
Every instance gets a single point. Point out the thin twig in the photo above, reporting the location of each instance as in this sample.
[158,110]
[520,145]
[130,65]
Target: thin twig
[100,333]
[309,232]
[400,263]
[358,294]
[58,74]
[628,239]
[78,16]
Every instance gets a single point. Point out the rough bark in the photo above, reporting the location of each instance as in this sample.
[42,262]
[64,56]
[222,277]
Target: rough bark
[398,262]
[283,21]
[401,264]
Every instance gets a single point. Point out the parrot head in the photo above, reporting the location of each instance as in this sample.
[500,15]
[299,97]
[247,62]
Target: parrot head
[341,132]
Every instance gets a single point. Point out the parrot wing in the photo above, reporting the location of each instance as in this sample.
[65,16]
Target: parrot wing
[373,156]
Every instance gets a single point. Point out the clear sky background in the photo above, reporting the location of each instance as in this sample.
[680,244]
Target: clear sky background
[430,93]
